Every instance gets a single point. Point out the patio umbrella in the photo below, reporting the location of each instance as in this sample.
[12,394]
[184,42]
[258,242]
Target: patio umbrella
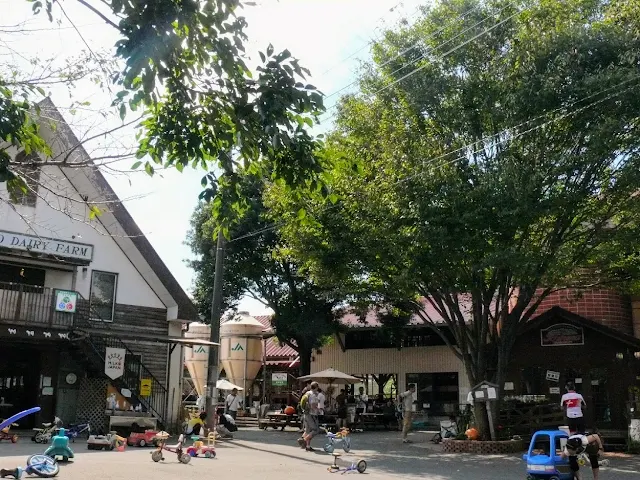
[227,385]
[331,376]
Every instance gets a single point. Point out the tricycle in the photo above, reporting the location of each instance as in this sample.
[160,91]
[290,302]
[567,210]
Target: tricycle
[161,439]
[335,438]
[5,433]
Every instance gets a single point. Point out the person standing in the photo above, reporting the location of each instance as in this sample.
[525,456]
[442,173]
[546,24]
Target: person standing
[309,405]
[321,400]
[232,403]
[361,407]
[572,404]
[306,388]
[341,402]
[406,399]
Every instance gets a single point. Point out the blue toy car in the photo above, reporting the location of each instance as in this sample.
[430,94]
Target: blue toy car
[544,460]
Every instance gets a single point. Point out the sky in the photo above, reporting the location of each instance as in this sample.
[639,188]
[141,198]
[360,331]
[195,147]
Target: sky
[330,37]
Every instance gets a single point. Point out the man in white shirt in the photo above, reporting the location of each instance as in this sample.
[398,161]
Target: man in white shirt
[361,406]
[321,400]
[406,400]
[572,404]
[233,403]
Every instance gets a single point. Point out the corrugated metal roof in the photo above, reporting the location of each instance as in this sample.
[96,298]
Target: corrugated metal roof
[275,350]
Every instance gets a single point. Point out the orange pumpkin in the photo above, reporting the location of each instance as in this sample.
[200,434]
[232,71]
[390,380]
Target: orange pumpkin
[289,410]
[472,434]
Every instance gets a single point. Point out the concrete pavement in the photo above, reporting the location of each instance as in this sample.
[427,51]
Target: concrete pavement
[272,455]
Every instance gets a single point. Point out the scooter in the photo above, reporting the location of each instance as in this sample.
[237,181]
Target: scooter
[43,435]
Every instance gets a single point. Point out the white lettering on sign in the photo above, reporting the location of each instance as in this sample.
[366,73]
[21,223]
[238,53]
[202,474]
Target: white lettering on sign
[49,246]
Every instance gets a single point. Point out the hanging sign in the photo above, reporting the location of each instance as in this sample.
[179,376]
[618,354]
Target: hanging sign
[114,362]
[66,301]
[561,335]
[279,379]
[145,387]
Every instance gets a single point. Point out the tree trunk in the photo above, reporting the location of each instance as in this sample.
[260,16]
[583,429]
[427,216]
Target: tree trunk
[305,360]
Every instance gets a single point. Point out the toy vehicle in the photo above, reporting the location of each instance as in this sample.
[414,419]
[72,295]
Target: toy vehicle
[161,439]
[60,447]
[43,435]
[75,430]
[103,442]
[359,466]
[335,438]
[40,465]
[142,439]
[544,460]
[199,448]
[5,434]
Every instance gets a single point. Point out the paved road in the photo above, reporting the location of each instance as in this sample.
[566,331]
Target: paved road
[272,456]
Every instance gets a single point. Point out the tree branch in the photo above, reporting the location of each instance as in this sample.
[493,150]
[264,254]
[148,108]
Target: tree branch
[97,12]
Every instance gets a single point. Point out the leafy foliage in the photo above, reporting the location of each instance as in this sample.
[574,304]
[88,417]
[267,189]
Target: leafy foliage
[184,64]
[261,267]
[489,176]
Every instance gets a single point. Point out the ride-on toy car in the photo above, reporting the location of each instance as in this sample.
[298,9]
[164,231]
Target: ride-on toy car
[200,449]
[142,439]
[104,442]
[60,447]
[544,457]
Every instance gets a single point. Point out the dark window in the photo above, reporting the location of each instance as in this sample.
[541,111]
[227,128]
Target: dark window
[31,176]
[19,274]
[103,295]
[437,392]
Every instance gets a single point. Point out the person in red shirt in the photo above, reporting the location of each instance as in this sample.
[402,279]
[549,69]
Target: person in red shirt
[572,404]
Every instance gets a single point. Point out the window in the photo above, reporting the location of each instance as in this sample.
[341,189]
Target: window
[437,392]
[103,295]
[31,175]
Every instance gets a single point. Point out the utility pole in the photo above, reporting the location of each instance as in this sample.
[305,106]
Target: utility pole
[216,307]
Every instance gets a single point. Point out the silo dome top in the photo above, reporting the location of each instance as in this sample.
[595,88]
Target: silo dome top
[242,323]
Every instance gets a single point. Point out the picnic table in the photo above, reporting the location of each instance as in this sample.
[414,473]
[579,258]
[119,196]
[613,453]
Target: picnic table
[279,420]
[375,420]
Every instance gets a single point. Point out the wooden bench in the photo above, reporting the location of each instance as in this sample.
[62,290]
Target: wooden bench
[279,420]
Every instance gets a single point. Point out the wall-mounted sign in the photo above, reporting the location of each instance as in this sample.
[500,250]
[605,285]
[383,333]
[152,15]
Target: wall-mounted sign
[66,301]
[561,335]
[145,387]
[553,376]
[33,333]
[47,246]
[554,390]
[508,386]
[114,362]
[279,379]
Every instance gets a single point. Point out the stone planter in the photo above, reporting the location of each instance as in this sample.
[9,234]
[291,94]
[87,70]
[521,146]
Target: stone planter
[482,447]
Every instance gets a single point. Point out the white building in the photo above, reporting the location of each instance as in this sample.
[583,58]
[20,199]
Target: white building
[115,289]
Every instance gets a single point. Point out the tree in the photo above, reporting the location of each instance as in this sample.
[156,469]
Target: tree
[184,67]
[492,160]
[258,265]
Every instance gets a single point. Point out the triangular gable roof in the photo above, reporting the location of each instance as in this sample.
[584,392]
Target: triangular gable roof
[566,316]
[119,222]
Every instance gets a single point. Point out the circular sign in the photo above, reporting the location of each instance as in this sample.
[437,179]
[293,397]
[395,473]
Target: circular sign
[71,378]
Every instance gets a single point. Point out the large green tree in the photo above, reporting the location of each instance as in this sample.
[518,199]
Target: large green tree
[183,65]
[491,156]
[258,265]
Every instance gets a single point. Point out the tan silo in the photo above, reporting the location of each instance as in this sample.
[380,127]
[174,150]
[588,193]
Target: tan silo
[241,349]
[196,358]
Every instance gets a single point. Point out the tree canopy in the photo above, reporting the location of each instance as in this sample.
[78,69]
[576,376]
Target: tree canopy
[184,67]
[490,157]
[259,265]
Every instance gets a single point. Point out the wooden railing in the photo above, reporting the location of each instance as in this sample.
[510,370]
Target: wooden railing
[31,305]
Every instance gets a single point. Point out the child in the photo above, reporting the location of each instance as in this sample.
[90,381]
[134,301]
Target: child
[576,444]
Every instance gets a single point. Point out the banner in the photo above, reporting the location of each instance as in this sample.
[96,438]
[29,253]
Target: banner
[114,362]
[145,387]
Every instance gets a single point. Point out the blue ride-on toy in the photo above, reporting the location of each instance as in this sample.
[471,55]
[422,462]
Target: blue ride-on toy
[544,459]
[60,447]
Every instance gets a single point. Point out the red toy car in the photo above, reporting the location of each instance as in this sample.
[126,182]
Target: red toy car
[142,439]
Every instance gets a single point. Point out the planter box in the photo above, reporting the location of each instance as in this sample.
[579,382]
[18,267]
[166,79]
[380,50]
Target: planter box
[481,447]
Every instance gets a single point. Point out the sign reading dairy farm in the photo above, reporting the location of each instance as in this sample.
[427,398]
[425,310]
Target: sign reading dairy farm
[66,301]
[114,362]
[46,246]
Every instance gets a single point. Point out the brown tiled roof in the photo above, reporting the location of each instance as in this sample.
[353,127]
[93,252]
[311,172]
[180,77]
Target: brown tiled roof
[186,308]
